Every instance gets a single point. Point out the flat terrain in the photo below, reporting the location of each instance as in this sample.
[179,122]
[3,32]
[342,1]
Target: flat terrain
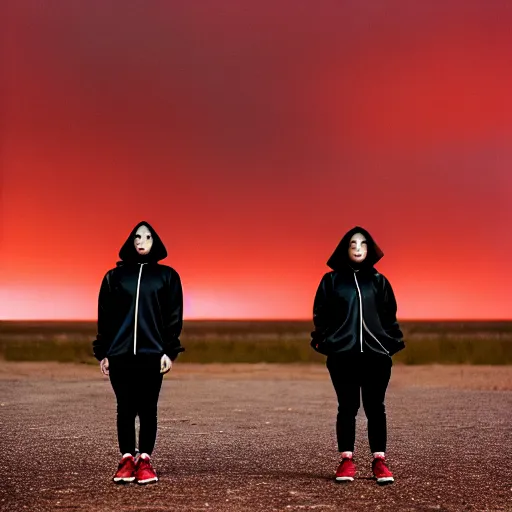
[255,437]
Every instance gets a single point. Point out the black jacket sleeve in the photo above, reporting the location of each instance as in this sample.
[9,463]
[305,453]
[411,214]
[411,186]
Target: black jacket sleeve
[387,311]
[102,342]
[321,312]
[173,317]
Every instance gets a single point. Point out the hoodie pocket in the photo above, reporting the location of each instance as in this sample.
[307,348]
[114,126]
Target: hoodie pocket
[321,347]
[375,338]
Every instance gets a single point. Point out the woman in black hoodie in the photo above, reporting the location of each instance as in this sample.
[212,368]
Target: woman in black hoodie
[355,322]
[140,317]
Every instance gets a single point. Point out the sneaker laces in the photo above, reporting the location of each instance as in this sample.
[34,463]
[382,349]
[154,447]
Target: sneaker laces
[380,464]
[144,464]
[124,463]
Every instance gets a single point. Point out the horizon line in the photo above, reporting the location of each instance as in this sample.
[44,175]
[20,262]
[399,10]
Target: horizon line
[202,319]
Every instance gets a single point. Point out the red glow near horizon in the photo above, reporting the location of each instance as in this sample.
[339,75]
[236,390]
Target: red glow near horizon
[252,136]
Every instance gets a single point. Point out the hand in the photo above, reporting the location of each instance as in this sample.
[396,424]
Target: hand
[104,366]
[165,364]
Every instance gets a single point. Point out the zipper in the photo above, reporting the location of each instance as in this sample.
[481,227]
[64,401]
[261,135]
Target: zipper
[137,311]
[362,322]
[360,313]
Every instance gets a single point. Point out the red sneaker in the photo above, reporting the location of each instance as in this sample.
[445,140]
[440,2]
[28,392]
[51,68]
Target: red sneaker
[145,474]
[381,471]
[125,471]
[346,471]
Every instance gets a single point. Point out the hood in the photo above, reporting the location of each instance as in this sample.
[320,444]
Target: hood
[129,254]
[339,258]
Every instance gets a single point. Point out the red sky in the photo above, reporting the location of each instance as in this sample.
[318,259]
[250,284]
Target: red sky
[252,135]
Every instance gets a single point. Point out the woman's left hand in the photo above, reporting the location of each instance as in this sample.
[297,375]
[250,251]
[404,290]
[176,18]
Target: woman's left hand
[165,364]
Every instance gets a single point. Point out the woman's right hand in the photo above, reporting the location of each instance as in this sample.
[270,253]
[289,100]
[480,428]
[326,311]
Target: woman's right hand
[104,366]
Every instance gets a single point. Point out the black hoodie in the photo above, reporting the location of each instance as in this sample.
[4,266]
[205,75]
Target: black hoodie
[355,308]
[140,305]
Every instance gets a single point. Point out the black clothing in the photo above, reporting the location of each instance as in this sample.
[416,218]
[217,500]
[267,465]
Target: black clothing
[140,305]
[354,307]
[354,314]
[339,258]
[136,381]
[367,374]
[128,252]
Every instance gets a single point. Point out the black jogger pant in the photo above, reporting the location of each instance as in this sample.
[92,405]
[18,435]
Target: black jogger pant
[136,381]
[355,375]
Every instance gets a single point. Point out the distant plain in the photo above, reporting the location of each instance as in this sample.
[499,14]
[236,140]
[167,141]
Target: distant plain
[427,342]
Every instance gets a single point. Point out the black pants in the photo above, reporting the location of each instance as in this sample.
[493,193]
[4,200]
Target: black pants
[136,381]
[352,376]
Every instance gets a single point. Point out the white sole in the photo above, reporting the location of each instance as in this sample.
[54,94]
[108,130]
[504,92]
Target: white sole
[344,479]
[147,481]
[128,480]
[385,480]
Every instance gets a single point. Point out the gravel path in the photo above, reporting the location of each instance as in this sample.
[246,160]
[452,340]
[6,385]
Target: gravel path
[255,437]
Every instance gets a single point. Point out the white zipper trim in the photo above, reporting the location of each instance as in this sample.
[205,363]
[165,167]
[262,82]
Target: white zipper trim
[360,312]
[373,336]
[137,312]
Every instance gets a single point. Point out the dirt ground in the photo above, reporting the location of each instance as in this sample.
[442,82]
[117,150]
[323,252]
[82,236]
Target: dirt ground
[256,437]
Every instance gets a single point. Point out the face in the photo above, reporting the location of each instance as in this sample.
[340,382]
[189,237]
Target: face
[358,248]
[143,240]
